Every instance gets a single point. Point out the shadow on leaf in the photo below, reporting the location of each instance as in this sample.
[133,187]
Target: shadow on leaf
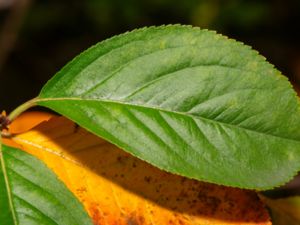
[116,187]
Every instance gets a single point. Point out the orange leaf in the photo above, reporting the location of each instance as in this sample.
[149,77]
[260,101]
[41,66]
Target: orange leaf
[28,120]
[117,188]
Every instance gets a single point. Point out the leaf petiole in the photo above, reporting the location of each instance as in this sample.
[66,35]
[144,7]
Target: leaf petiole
[22,108]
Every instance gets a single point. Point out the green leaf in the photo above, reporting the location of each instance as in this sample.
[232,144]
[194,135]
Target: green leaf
[188,101]
[30,193]
[284,211]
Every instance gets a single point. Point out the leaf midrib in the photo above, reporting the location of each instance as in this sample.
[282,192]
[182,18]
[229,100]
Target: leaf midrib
[38,99]
[7,185]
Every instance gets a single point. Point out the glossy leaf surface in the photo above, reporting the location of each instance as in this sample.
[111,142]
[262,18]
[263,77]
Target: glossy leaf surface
[31,194]
[188,101]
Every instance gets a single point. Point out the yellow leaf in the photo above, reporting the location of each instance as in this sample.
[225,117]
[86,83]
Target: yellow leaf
[28,120]
[117,188]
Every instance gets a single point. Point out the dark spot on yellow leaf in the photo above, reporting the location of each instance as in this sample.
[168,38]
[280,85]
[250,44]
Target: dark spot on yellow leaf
[118,189]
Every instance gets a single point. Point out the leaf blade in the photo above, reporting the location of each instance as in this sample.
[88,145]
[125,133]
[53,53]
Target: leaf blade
[6,205]
[206,86]
[37,195]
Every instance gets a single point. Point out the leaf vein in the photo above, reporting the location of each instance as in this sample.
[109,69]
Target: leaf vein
[43,191]
[8,187]
[185,114]
[35,209]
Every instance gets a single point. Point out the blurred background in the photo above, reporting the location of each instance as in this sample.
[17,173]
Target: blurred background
[38,37]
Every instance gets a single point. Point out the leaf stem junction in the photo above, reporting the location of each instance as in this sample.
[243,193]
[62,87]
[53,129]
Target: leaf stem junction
[6,120]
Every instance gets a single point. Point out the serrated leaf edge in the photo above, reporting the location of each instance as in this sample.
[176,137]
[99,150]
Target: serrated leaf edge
[263,59]
[192,177]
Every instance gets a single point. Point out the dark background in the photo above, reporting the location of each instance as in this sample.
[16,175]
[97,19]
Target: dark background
[38,37]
